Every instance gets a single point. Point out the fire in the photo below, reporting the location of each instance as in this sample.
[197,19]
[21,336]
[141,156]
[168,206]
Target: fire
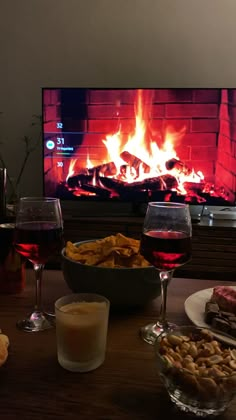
[140,157]
[147,151]
[71,168]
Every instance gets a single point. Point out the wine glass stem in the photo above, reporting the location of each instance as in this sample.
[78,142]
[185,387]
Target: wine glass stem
[165,277]
[38,270]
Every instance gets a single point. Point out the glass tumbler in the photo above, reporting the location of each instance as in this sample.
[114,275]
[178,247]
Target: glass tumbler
[81,329]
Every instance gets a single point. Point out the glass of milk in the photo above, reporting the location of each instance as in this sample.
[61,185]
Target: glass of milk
[81,329]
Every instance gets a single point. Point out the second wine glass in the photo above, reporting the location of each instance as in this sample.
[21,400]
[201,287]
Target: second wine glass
[38,235]
[166,244]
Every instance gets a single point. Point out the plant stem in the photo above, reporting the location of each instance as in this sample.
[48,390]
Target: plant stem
[22,168]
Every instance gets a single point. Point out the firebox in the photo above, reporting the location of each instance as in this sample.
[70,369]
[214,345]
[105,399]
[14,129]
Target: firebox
[140,145]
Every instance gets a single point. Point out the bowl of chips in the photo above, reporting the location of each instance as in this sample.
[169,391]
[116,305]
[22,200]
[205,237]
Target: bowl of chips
[112,267]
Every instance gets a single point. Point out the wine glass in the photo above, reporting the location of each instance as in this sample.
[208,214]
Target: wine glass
[38,235]
[166,244]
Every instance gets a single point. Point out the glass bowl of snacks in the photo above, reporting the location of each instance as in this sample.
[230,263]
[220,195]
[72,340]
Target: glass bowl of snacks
[112,267]
[198,371]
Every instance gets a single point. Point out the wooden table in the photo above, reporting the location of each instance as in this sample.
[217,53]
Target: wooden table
[127,386]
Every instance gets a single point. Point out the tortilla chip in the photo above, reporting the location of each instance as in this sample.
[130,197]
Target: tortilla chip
[109,262]
[122,240]
[111,251]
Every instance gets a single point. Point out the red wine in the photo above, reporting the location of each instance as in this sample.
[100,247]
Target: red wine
[166,250]
[38,240]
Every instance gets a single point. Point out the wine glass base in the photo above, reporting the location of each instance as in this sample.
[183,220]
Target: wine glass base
[37,321]
[151,332]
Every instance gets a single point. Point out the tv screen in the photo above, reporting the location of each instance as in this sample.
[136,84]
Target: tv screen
[138,145]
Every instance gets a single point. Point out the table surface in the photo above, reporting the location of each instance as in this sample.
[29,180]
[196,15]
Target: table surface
[126,386]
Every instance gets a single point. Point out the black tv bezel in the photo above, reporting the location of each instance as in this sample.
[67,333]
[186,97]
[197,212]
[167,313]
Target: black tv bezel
[81,206]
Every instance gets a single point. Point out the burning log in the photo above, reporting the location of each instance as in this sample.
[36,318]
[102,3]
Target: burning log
[125,170]
[164,182]
[99,192]
[106,169]
[196,187]
[134,162]
[112,184]
[78,180]
[179,165]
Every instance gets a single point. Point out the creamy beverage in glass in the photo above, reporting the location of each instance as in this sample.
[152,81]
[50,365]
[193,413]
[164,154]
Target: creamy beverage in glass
[81,329]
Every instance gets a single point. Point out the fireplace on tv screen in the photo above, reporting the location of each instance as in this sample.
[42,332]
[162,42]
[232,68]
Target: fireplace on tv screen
[140,145]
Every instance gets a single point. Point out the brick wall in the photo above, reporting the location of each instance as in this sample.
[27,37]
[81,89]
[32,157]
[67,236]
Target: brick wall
[226,162]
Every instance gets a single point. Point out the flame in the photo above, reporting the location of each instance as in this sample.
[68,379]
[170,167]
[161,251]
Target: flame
[71,170]
[113,145]
[142,145]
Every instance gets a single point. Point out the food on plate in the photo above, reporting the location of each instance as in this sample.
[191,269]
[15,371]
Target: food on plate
[112,251]
[198,363]
[212,310]
[220,310]
[4,343]
[225,296]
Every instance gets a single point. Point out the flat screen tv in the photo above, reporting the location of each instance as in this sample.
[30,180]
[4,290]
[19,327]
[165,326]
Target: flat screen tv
[109,151]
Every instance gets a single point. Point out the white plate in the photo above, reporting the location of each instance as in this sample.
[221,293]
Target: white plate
[195,307]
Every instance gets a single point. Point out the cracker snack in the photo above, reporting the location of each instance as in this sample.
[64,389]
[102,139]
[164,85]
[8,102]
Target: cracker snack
[112,251]
[4,343]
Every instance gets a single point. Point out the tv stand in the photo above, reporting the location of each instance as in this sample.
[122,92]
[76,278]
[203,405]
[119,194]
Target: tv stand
[225,214]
